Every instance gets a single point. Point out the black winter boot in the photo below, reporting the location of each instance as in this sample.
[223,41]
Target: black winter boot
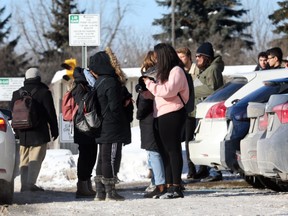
[83,191]
[110,190]
[90,187]
[24,178]
[100,189]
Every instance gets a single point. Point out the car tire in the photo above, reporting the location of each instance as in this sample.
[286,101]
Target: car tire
[270,184]
[6,192]
[254,182]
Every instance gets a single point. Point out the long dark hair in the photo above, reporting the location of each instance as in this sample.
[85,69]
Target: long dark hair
[167,58]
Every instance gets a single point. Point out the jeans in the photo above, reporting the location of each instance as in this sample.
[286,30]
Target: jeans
[156,163]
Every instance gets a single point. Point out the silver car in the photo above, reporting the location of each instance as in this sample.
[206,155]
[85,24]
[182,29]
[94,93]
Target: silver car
[9,158]
[272,147]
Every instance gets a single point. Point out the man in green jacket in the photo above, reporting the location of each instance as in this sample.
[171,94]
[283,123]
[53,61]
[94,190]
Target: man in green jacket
[208,80]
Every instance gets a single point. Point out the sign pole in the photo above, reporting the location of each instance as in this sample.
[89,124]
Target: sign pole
[84,56]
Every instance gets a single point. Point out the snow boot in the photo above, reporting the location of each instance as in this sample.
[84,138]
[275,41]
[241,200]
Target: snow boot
[24,178]
[100,189]
[90,187]
[110,190]
[83,190]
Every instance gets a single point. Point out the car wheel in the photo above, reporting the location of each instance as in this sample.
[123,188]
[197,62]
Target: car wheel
[270,184]
[254,182]
[6,192]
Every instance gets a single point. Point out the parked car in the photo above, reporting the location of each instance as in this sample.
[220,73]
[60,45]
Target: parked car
[212,126]
[272,147]
[211,114]
[239,123]
[8,158]
[248,146]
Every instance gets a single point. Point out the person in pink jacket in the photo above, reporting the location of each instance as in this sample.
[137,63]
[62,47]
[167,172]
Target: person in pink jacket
[169,113]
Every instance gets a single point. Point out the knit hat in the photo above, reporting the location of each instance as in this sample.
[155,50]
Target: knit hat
[32,73]
[206,49]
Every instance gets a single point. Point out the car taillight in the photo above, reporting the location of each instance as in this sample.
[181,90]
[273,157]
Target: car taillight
[217,111]
[263,122]
[281,111]
[3,125]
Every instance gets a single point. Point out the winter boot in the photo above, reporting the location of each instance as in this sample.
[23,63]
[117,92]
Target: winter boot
[83,190]
[100,189]
[110,190]
[24,178]
[90,187]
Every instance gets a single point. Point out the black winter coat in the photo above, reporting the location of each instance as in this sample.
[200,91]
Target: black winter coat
[115,125]
[78,92]
[145,115]
[39,135]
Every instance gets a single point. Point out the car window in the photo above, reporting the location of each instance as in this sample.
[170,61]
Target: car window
[262,94]
[227,90]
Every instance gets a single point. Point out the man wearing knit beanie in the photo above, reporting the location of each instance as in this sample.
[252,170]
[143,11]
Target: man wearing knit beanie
[33,141]
[32,73]
[208,81]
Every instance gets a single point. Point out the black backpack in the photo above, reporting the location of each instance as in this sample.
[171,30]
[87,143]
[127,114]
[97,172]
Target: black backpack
[25,111]
[190,105]
[88,119]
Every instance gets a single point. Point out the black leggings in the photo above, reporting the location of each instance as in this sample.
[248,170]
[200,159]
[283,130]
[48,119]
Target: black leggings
[169,128]
[86,160]
[109,159]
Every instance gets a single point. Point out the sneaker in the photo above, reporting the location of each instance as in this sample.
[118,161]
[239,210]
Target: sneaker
[212,178]
[156,193]
[172,193]
[150,188]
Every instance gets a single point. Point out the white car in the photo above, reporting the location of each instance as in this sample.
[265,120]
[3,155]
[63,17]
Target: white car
[8,158]
[211,114]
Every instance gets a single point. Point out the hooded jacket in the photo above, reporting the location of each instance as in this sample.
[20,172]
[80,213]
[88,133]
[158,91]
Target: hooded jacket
[39,135]
[115,125]
[210,79]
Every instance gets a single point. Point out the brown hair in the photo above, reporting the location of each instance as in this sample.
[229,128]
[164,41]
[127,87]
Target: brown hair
[149,61]
[167,58]
[185,51]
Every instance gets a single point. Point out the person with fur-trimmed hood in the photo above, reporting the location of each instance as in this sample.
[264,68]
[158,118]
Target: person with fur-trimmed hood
[115,126]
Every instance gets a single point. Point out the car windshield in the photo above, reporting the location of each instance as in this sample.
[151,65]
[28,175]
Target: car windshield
[227,90]
[263,94]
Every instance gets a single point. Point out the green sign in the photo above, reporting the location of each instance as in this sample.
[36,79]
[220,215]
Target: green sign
[74,19]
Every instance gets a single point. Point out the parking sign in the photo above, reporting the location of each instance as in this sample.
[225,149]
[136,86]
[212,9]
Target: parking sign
[84,30]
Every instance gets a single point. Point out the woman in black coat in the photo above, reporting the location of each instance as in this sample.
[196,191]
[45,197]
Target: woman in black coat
[115,126]
[87,145]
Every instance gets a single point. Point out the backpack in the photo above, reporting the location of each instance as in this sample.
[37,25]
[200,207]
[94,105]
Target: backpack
[25,111]
[69,107]
[190,105]
[88,119]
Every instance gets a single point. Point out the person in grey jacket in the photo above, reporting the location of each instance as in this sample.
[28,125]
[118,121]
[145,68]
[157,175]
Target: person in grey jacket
[33,142]
[208,80]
